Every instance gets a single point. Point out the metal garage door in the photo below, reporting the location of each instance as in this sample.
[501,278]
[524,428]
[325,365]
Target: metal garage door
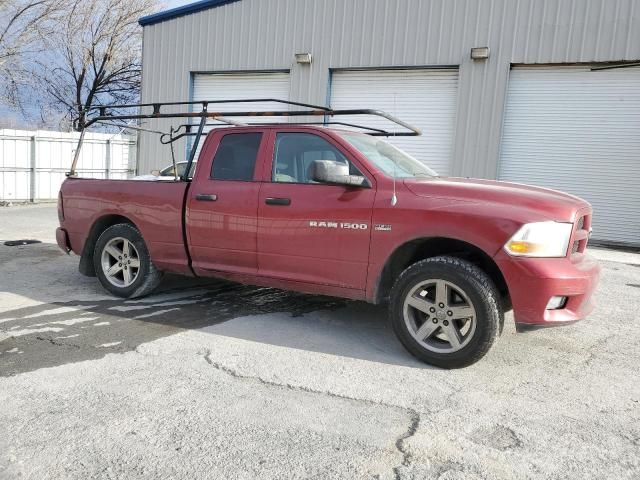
[234,86]
[425,98]
[578,130]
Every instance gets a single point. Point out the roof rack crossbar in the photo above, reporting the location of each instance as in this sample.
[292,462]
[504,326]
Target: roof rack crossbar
[114,113]
[370,130]
[158,105]
[167,138]
[138,116]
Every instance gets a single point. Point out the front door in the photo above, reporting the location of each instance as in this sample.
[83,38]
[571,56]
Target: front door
[311,232]
[223,204]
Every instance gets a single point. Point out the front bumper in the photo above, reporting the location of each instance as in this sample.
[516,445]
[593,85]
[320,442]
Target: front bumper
[533,281]
[62,238]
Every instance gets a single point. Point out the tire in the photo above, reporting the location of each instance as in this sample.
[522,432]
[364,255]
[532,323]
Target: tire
[458,334]
[124,240]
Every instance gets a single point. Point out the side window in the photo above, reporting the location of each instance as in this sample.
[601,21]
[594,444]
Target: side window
[236,157]
[294,153]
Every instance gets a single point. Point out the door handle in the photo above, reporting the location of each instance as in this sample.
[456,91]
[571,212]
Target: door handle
[277,201]
[205,197]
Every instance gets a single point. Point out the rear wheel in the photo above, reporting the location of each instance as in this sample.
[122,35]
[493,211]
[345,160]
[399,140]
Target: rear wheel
[445,311]
[122,262]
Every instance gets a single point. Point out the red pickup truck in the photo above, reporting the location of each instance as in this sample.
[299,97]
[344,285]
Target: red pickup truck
[341,213]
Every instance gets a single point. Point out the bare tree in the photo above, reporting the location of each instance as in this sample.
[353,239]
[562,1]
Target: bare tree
[23,26]
[94,57]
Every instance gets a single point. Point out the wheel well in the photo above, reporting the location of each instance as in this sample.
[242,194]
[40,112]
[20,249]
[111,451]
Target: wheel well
[99,226]
[420,249]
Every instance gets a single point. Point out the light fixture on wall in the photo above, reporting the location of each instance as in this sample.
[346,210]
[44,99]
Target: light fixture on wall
[303,58]
[480,53]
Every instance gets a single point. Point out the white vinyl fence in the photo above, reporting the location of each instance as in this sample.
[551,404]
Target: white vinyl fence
[33,163]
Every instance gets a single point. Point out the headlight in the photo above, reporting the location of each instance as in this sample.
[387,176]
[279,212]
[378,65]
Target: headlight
[540,239]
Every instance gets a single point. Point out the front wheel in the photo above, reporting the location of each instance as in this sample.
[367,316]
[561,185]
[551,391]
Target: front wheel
[123,264]
[445,311]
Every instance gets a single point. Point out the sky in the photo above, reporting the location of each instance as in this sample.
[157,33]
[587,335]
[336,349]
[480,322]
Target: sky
[11,118]
[177,3]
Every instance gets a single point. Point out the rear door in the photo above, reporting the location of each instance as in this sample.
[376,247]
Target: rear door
[223,202]
[311,232]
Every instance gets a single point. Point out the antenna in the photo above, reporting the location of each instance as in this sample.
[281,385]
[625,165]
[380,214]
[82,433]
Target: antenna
[394,198]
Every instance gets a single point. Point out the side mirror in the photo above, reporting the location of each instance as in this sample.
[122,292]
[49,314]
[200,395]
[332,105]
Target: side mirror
[155,173]
[336,173]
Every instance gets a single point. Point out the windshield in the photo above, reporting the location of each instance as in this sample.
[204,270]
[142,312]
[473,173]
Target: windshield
[391,160]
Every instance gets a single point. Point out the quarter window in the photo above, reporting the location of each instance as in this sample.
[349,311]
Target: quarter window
[236,157]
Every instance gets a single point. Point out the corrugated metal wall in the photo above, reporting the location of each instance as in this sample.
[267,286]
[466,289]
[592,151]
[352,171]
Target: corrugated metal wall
[578,130]
[424,98]
[265,34]
[33,163]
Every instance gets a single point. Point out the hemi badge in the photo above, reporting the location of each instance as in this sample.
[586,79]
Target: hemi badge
[382,227]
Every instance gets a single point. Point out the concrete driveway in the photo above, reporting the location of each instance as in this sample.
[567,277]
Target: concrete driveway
[209,379]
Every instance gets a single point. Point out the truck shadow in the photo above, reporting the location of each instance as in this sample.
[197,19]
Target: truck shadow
[61,332]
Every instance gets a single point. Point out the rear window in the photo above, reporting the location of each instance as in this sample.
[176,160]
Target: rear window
[236,157]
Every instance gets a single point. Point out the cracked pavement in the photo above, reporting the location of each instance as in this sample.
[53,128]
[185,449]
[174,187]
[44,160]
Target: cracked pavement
[208,379]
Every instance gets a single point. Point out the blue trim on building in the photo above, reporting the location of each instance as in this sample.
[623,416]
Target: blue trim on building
[181,11]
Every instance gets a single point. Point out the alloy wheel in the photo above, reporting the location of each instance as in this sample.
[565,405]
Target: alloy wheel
[439,315]
[120,262]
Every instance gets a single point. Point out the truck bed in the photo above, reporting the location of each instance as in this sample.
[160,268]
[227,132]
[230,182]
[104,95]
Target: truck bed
[155,208]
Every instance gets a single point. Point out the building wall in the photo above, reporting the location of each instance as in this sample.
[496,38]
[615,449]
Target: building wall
[264,34]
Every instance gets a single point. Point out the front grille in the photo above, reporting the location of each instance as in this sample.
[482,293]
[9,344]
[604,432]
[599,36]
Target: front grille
[576,246]
[581,234]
